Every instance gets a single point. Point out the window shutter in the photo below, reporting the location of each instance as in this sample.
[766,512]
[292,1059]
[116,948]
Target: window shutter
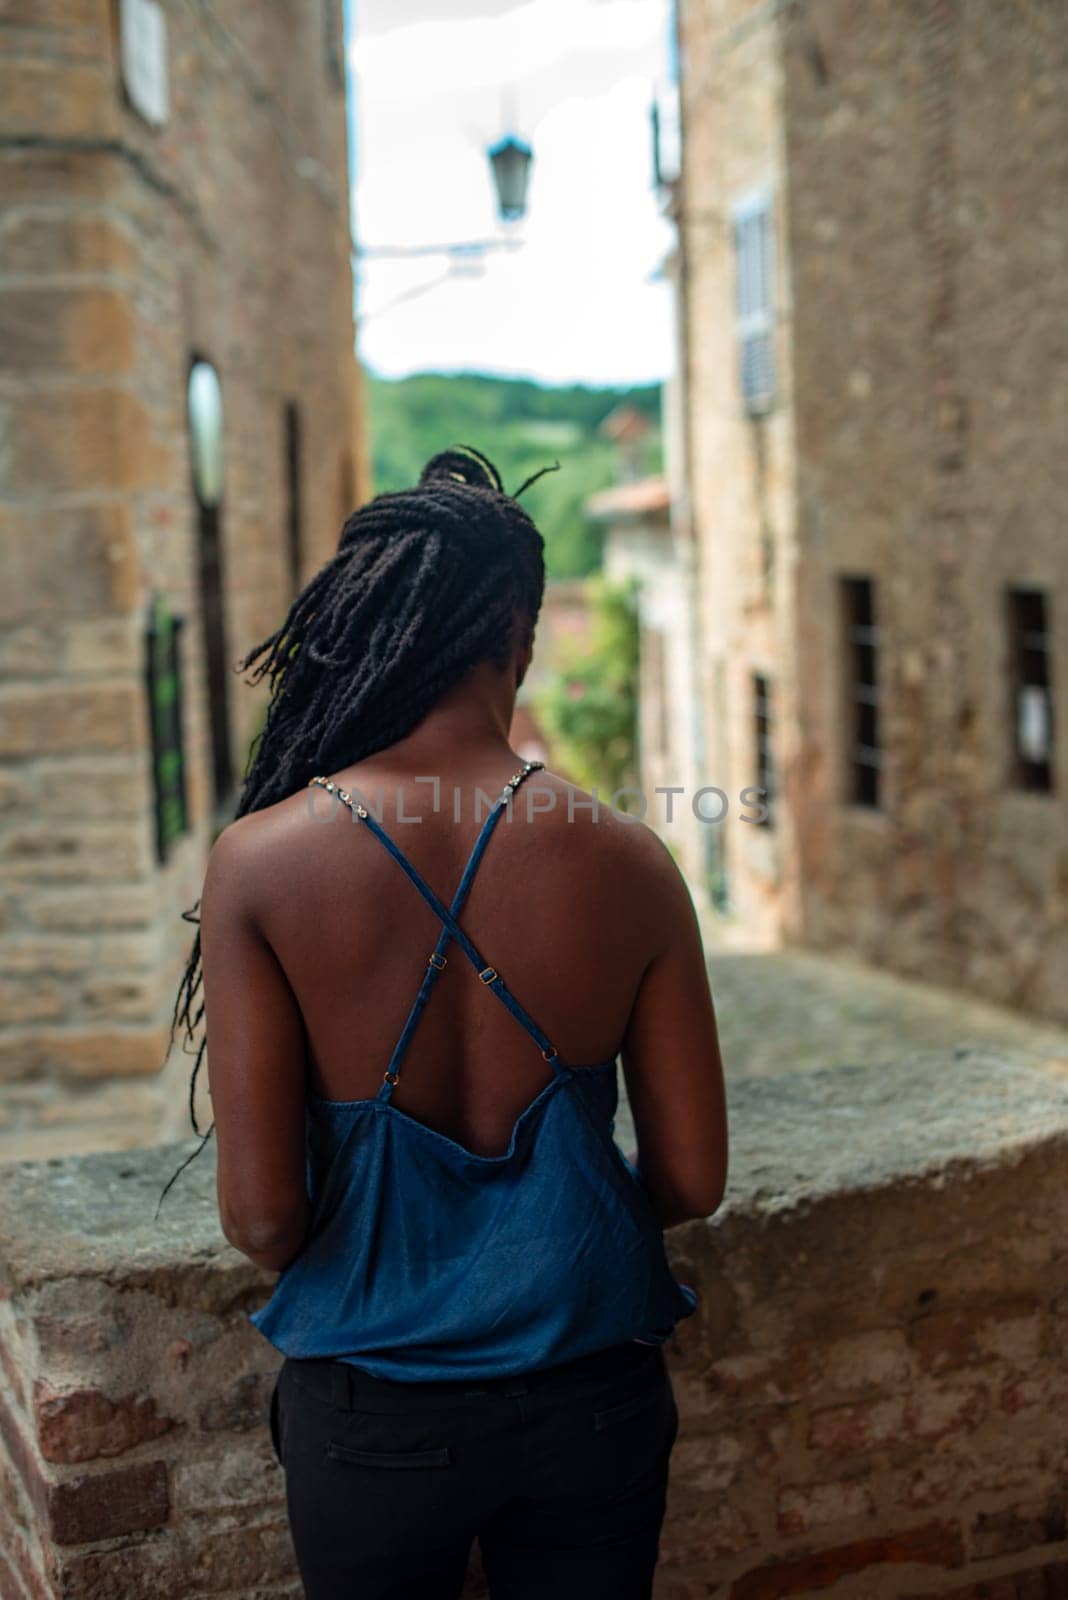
[755,267]
[163,683]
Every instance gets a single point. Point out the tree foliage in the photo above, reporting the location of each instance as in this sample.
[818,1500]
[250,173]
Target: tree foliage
[589,707]
[521,426]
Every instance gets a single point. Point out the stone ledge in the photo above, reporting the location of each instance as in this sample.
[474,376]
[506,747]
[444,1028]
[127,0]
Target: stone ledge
[871,1393]
[795,1138]
[850,1129]
[94,1216]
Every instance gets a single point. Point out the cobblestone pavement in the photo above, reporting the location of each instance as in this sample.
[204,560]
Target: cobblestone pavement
[794,1011]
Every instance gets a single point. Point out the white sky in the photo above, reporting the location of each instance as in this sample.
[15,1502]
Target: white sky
[436,82]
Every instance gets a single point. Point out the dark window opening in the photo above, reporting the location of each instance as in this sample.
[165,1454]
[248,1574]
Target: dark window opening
[334,42]
[716,865]
[1032,683]
[294,497]
[765,770]
[864,746]
[206,437]
[215,651]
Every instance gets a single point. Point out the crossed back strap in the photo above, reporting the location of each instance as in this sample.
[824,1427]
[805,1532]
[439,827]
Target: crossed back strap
[450,926]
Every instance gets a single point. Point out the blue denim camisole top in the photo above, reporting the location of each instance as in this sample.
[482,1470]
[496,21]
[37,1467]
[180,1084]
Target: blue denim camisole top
[424,1261]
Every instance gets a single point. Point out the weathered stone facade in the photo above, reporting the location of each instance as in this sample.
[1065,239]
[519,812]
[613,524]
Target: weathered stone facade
[914,157]
[871,1394]
[640,546]
[128,251]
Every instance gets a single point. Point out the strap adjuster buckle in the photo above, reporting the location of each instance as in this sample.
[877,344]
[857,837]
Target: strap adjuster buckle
[437,961]
[488,975]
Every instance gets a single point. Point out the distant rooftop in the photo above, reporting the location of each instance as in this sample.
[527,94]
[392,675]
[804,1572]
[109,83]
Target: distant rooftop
[625,424]
[645,497]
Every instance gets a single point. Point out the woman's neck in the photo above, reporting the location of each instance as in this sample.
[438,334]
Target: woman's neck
[469,725]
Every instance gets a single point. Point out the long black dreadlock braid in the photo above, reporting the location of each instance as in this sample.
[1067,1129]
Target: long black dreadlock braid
[425,584]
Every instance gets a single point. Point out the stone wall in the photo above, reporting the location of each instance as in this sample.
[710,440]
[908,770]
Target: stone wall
[871,1395]
[642,546]
[742,468]
[125,251]
[930,264]
[914,155]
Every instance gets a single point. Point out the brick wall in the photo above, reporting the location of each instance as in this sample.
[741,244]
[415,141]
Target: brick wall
[124,250]
[871,1395]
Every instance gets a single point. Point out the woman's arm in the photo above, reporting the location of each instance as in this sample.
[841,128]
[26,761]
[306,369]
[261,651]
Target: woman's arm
[671,1060]
[255,1060]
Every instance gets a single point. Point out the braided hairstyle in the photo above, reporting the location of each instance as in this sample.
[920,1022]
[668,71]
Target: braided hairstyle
[426,583]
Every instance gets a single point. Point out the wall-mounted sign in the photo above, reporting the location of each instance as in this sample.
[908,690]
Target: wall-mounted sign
[143,51]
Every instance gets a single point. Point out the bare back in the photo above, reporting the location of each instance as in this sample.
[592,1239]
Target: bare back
[315,944]
[564,905]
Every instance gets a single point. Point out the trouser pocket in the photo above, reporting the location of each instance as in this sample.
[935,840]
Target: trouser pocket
[637,1416]
[609,1416]
[390,1459]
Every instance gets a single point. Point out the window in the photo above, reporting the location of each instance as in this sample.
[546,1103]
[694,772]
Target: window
[1033,732]
[143,59]
[294,496]
[755,295]
[864,750]
[163,685]
[333,42]
[716,866]
[765,772]
[667,111]
[206,449]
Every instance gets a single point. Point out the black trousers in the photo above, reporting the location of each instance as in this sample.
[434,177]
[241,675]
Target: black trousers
[561,1475]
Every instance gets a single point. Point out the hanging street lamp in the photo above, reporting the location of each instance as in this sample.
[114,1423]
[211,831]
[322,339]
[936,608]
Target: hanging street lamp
[510,163]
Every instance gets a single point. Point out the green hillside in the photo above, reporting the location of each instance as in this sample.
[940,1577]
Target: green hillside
[521,426]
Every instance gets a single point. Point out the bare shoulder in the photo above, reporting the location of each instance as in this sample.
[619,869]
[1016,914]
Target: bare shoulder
[250,850]
[620,844]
